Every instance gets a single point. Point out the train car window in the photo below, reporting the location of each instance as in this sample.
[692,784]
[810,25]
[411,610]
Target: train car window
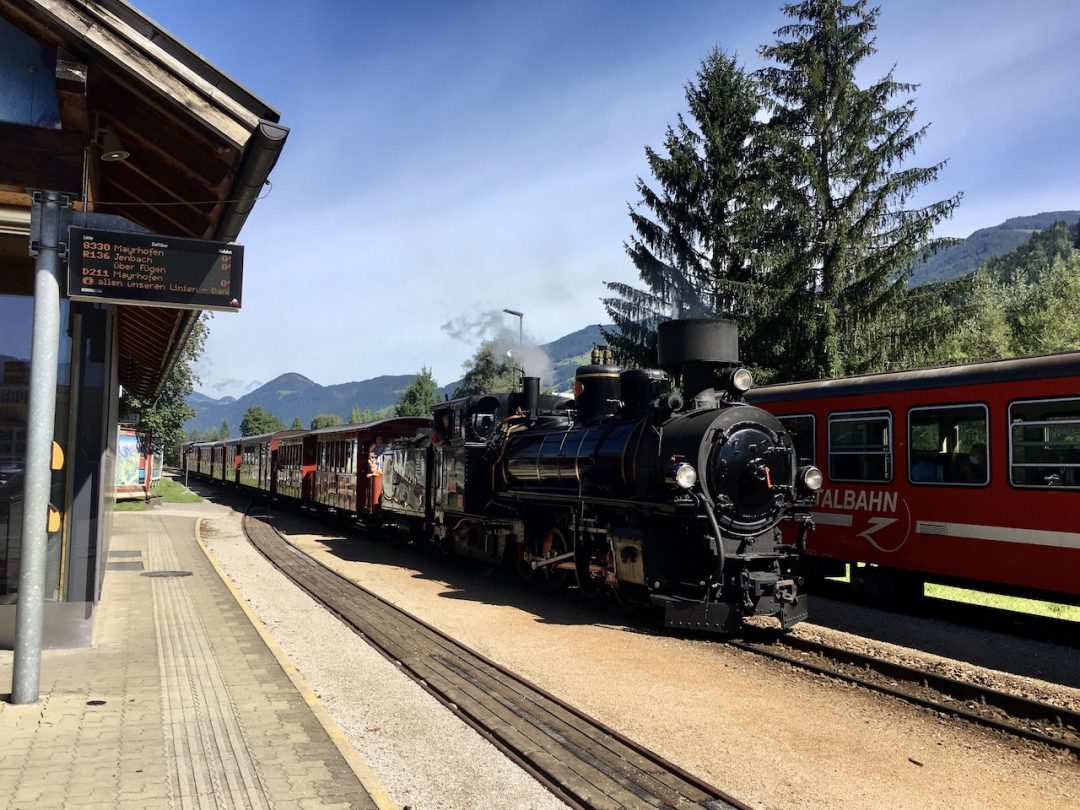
[860,446]
[802,433]
[1044,443]
[948,445]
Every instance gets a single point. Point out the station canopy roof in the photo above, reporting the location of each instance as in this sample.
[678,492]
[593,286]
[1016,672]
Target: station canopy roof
[200,147]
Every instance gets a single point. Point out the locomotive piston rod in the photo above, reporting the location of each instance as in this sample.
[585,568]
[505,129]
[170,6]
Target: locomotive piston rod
[546,561]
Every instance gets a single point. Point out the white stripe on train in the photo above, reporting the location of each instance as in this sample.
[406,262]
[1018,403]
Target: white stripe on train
[1001,534]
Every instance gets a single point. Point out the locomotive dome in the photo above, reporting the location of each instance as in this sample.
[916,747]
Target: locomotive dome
[596,387]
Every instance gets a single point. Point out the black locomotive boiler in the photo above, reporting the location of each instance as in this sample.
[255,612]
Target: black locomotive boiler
[662,497]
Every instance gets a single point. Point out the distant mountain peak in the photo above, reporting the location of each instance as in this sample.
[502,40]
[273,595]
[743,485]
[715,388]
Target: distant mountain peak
[290,381]
[985,244]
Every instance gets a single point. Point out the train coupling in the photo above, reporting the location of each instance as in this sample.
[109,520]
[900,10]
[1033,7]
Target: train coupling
[767,594]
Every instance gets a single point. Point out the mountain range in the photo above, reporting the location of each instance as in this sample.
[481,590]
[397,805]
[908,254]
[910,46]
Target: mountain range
[293,395]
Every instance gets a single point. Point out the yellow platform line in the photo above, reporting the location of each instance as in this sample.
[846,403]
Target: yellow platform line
[362,770]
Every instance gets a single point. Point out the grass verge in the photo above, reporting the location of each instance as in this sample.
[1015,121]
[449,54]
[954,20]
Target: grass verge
[168,489]
[1015,603]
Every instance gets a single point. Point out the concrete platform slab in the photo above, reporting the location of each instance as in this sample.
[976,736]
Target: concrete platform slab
[180,702]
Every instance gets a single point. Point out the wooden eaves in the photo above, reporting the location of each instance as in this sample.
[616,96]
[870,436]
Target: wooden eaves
[202,147]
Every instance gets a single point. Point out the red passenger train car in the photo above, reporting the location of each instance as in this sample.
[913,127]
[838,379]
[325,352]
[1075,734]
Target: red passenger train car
[346,475]
[329,468]
[257,455]
[965,474]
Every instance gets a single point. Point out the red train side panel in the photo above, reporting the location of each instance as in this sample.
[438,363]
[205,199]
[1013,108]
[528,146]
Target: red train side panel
[965,473]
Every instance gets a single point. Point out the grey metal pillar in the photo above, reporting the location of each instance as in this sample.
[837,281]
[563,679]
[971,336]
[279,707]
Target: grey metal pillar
[48,210]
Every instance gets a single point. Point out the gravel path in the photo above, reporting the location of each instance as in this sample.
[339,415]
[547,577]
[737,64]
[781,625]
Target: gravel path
[770,735]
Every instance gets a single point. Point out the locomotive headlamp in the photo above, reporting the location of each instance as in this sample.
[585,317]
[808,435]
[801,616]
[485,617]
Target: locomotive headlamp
[811,478]
[681,475]
[740,380]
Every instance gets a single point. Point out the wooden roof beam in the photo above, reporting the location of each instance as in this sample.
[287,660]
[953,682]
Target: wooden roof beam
[71,92]
[120,45]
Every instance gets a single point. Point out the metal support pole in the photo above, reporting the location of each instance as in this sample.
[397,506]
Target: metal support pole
[521,324]
[30,610]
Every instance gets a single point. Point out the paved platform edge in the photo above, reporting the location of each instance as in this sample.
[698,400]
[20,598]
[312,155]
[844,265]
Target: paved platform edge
[363,772]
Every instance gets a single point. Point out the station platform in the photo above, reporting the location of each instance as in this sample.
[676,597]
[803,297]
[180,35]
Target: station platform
[182,701]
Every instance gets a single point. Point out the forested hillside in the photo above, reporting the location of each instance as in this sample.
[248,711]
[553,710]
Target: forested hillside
[983,245]
[1025,302]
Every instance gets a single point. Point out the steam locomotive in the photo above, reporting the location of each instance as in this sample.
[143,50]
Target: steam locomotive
[659,497]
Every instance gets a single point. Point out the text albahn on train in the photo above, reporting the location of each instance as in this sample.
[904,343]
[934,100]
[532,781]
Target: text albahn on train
[674,499]
[967,474]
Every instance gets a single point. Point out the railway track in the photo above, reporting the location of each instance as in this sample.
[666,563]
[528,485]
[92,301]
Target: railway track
[580,760]
[1022,717]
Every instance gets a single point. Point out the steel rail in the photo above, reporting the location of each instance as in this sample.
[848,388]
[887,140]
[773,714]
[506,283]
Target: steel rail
[1066,722]
[579,759]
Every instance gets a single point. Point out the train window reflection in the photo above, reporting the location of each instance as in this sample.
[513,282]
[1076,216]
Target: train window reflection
[860,446]
[1044,443]
[801,429]
[948,445]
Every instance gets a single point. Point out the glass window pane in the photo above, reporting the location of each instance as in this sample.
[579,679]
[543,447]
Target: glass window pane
[1044,439]
[948,445]
[860,447]
[801,429]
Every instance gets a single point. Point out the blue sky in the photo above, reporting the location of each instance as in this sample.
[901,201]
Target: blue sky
[448,160]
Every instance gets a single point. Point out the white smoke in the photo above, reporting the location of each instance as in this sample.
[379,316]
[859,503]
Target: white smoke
[501,329]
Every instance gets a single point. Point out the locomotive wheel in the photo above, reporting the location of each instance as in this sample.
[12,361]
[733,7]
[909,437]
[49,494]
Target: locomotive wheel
[588,584]
[553,545]
[523,567]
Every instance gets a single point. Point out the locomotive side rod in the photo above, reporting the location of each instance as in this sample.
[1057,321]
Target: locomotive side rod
[546,561]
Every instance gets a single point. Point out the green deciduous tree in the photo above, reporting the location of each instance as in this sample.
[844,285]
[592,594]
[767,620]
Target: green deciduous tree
[296,424]
[841,189]
[161,420]
[420,397]
[258,420]
[1025,302]
[486,374]
[324,420]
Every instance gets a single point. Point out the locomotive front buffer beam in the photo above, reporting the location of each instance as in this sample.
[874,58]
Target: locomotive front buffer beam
[764,595]
[695,614]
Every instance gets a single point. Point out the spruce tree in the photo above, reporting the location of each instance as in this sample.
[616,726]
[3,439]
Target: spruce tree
[841,191]
[694,234]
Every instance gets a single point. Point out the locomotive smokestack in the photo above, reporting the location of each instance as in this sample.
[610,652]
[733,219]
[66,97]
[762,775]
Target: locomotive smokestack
[696,348]
[530,390]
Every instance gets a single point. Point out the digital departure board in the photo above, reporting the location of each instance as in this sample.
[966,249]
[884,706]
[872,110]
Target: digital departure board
[153,270]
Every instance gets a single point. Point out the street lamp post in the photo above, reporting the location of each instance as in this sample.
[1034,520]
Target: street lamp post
[521,324]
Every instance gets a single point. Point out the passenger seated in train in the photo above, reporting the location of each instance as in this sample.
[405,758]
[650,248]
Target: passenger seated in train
[971,468]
